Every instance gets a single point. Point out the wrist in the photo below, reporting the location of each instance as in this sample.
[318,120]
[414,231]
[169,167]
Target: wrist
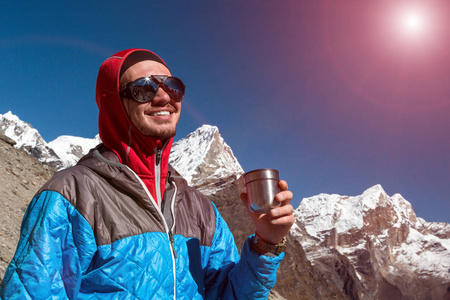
[263,247]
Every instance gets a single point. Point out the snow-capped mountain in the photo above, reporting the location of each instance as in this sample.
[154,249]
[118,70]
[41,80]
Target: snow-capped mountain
[375,245]
[205,160]
[27,138]
[71,148]
[61,153]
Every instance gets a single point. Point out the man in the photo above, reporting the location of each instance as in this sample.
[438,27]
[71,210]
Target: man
[123,224]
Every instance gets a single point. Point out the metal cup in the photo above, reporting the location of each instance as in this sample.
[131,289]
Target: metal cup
[262,185]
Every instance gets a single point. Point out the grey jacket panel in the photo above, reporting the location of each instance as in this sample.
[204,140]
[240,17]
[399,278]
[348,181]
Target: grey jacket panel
[116,204]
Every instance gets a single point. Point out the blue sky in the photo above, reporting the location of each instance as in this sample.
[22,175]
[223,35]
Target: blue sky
[337,95]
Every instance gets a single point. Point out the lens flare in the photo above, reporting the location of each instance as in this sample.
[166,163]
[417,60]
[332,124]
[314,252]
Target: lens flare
[413,22]
[397,58]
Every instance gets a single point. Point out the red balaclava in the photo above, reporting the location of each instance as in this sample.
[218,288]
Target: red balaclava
[117,132]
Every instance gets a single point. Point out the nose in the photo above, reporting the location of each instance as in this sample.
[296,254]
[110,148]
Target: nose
[161,97]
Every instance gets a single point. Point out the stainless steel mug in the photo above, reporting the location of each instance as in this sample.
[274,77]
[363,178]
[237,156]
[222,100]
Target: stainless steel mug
[262,185]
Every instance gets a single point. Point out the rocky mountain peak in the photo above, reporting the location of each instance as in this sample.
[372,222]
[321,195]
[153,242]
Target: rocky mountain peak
[28,138]
[71,148]
[389,249]
[23,133]
[205,160]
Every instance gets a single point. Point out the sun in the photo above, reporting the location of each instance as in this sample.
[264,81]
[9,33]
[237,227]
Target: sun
[413,23]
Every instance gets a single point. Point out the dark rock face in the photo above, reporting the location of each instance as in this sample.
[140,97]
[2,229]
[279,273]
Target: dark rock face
[21,175]
[338,269]
[298,279]
[6,139]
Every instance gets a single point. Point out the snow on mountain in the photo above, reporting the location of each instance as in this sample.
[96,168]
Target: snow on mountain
[382,239]
[71,148]
[204,159]
[61,153]
[23,133]
[28,139]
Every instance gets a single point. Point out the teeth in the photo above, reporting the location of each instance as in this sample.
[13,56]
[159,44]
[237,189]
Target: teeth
[161,113]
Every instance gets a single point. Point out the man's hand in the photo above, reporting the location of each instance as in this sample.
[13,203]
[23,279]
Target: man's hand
[274,225]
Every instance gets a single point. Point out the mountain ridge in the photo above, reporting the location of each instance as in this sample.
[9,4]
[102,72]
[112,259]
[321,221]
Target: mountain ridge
[198,155]
[389,247]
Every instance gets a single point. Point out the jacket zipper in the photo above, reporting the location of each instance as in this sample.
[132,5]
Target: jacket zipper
[158,194]
[166,228]
[172,240]
[158,176]
[172,212]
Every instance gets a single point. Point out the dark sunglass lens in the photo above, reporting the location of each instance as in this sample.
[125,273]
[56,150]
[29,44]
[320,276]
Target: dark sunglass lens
[142,94]
[175,88]
[144,89]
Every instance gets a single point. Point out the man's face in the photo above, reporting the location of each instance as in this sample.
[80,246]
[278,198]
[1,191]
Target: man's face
[147,116]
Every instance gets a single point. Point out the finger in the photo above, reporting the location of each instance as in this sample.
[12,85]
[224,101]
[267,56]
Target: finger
[282,221]
[283,185]
[282,211]
[284,196]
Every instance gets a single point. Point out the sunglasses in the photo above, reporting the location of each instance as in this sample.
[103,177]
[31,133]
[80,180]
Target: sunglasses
[144,89]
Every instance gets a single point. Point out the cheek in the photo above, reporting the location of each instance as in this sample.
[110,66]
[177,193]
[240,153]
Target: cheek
[136,110]
[177,105]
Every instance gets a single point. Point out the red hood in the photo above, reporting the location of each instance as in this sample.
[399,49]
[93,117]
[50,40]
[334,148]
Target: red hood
[118,133]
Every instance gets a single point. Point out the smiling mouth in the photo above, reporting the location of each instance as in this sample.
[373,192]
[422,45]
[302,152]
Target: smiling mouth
[160,113]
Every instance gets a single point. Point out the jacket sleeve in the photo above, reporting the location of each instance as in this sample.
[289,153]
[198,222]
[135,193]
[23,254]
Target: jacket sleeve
[56,246]
[229,276]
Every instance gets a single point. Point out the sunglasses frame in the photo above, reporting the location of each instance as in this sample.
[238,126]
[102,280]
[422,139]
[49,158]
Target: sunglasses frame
[127,91]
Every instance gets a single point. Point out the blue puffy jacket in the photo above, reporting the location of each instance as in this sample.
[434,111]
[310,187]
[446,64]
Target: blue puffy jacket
[92,233]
